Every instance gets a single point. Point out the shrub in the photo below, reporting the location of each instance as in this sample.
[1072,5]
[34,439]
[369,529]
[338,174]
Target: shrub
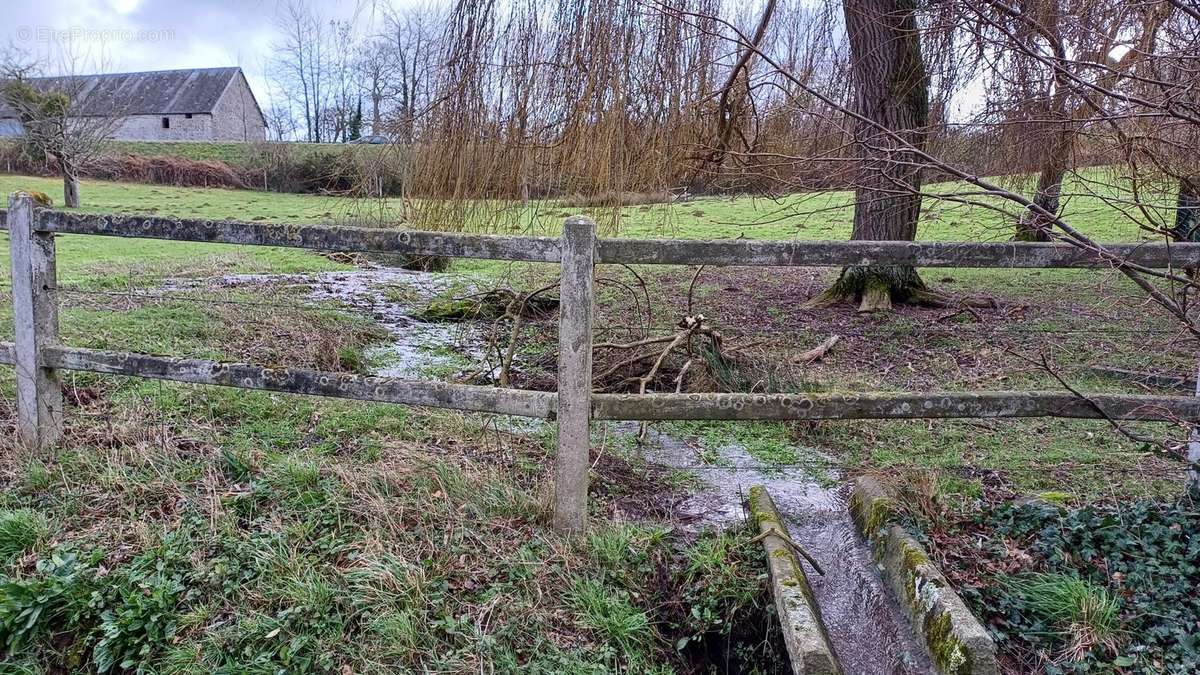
[164,170]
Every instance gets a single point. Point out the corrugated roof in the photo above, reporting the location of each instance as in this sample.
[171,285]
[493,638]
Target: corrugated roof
[159,92]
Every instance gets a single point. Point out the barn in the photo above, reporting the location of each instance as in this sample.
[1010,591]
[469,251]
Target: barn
[201,104]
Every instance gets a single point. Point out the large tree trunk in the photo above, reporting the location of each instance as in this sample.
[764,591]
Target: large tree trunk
[1187,211]
[891,91]
[1035,226]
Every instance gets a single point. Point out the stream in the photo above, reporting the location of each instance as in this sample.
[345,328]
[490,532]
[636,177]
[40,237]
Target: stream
[865,624]
[392,297]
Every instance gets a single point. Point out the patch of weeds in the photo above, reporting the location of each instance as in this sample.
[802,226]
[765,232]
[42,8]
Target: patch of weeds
[1079,611]
[236,464]
[20,531]
[723,614]
[768,375]
[1118,588]
[351,360]
[400,294]
[141,606]
[625,629]
[37,476]
[56,599]
[297,484]
[623,549]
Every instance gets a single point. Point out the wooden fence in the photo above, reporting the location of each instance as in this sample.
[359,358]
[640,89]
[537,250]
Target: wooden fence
[38,355]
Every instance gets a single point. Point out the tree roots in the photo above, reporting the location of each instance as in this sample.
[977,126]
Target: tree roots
[875,289]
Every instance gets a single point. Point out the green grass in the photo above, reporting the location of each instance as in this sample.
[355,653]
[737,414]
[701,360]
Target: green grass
[236,154]
[811,216]
[1069,602]
[322,534]
[1083,615]
[20,532]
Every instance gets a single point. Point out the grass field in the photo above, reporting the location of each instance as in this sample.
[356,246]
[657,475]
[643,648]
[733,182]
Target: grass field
[194,529]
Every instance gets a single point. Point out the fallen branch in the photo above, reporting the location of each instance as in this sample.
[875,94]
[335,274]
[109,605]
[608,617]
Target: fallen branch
[817,353]
[777,532]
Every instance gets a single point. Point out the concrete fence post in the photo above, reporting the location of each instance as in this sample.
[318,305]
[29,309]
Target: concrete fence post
[576,298]
[35,315]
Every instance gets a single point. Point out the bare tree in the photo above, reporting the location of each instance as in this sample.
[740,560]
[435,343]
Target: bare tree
[376,69]
[65,119]
[415,34]
[300,67]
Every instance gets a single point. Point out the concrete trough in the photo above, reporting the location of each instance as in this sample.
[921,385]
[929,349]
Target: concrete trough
[955,640]
[799,617]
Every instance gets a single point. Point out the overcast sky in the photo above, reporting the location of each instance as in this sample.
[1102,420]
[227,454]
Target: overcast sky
[131,35]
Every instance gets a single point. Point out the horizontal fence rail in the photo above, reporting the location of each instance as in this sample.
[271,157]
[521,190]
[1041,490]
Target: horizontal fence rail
[916,253]
[898,406]
[38,356]
[316,237]
[634,407]
[731,252]
[303,381]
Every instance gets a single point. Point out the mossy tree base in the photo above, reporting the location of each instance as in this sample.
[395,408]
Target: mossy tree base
[1028,232]
[876,289]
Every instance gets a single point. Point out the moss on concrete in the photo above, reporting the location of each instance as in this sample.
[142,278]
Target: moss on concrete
[956,642]
[949,654]
[799,616]
[871,508]
[760,509]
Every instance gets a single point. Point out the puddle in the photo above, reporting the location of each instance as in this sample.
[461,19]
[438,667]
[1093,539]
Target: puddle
[391,297]
[866,626]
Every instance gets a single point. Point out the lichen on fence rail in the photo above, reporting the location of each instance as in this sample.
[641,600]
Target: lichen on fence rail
[303,381]
[505,401]
[886,405]
[916,253]
[626,251]
[316,237]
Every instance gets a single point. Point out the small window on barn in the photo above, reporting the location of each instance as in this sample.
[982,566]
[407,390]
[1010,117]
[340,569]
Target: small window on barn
[166,122]
[187,116]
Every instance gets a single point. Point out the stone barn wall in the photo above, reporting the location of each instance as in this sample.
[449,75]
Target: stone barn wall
[150,128]
[236,116]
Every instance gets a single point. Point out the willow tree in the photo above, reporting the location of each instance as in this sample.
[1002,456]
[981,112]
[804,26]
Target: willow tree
[1051,63]
[890,109]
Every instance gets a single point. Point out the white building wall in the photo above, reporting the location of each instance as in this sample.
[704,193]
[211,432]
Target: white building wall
[235,117]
